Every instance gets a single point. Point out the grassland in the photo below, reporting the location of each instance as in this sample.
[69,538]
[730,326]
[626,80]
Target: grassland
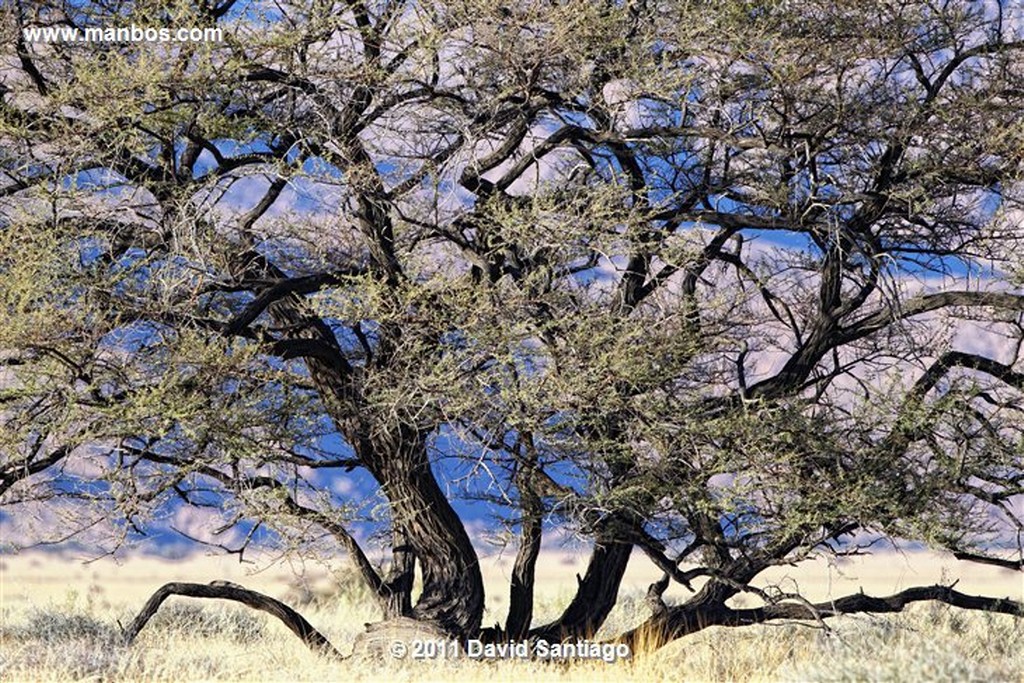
[59,620]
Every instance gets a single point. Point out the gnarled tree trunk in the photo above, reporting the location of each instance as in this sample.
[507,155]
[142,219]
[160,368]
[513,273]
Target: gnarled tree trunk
[425,526]
[453,587]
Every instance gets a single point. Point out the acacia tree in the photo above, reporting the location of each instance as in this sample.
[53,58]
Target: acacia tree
[733,284]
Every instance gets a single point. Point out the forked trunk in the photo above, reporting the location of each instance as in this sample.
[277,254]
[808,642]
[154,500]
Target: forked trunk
[453,588]
[424,522]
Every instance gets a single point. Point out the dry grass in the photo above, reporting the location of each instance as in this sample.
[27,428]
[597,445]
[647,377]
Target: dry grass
[59,621]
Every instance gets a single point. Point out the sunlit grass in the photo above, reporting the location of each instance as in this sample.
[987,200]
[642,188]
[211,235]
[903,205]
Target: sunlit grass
[61,621]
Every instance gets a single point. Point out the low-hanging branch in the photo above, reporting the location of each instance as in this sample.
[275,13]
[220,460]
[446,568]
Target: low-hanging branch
[676,622]
[223,590]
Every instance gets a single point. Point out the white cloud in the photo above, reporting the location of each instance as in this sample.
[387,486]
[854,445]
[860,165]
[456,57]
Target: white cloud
[204,524]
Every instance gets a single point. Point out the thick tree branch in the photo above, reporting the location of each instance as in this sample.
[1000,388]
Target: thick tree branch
[1014,565]
[16,471]
[297,285]
[223,590]
[926,303]
[676,622]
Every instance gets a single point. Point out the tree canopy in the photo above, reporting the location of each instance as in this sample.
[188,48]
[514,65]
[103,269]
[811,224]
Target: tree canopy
[732,284]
